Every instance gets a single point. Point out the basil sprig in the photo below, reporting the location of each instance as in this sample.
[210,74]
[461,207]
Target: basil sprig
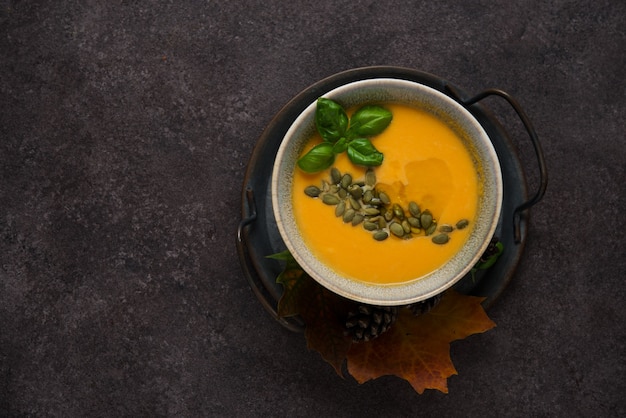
[340,134]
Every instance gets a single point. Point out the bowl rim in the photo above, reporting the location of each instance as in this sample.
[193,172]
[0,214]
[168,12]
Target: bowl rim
[404,91]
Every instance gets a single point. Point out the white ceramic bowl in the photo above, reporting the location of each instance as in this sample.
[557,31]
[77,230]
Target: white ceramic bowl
[386,90]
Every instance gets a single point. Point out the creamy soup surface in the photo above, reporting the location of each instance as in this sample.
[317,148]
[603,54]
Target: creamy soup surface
[424,161]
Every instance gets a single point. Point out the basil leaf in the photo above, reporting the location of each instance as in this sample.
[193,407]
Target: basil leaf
[319,158]
[340,146]
[331,120]
[369,121]
[362,152]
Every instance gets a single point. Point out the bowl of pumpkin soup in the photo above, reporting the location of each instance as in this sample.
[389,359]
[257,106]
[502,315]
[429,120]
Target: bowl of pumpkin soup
[386,191]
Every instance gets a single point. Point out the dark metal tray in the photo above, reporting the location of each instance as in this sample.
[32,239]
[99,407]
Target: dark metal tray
[258,236]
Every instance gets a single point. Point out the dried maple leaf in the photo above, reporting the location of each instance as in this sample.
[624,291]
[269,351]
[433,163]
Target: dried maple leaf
[417,349]
[321,310]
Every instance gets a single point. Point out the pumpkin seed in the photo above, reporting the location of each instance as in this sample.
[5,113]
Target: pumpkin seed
[358,218]
[398,211]
[355,191]
[396,229]
[312,191]
[359,202]
[346,180]
[380,235]
[335,175]
[370,226]
[368,196]
[330,199]
[348,215]
[426,219]
[354,203]
[441,239]
[432,228]
[414,209]
[388,215]
[462,224]
[340,208]
[414,222]
[370,177]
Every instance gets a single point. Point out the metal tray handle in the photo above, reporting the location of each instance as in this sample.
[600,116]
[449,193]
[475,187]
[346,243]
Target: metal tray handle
[543,172]
[268,302]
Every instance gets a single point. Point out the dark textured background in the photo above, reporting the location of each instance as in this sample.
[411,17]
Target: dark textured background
[125,130]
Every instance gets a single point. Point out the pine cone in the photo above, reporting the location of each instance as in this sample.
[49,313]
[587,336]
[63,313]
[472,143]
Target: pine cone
[425,306]
[367,322]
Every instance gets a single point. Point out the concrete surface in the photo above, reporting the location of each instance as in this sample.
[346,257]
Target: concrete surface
[125,130]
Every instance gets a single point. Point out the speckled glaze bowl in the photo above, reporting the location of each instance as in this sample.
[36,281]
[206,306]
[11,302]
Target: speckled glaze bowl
[390,90]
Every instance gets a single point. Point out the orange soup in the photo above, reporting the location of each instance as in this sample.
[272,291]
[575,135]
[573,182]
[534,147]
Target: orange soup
[424,161]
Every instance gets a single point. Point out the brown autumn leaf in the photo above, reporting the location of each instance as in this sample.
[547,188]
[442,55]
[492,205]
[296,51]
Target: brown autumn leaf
[322,312]
[417,349]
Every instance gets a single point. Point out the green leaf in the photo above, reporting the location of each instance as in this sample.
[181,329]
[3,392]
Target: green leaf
[340,146]
[283,256]
[331,120]
[491,260]
[290,262]
[319,158]
[362,152]
[295,283]
[369,121]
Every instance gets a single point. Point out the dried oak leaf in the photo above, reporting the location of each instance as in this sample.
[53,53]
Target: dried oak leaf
[321,310]
[417,349]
